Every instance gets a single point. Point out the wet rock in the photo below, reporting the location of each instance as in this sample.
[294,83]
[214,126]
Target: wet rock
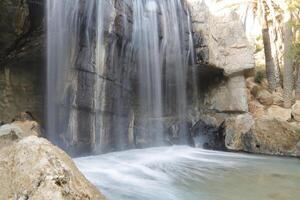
[208,135]
[179,134]
[35,169]
[279,113]
[296,111]
[298,149]
[236,128]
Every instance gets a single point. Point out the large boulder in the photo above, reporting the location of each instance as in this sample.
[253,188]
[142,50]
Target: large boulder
[229,96]
[33,168]
[280,113]
[266,135]
[296,111]
[272,136]
[235,130]
[220,36]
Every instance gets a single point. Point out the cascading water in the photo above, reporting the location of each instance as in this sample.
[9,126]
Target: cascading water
[116,71]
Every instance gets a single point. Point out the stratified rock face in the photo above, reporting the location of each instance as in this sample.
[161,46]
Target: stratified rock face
[92,96]
[35,169]
[14,22]
[266,135]
[21,58]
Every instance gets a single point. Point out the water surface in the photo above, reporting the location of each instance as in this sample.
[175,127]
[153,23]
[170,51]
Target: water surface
[184,173]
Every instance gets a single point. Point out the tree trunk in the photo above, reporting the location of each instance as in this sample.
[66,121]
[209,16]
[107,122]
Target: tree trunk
[272,71]
[288,79]
[297,91]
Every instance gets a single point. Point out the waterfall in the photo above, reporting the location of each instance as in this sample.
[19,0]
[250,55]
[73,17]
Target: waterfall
[117,71]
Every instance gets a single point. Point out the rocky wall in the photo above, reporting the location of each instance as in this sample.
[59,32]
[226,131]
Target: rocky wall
[21,58]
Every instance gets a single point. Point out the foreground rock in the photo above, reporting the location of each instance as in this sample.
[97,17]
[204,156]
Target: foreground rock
[264,135]
[35,169]
[11,133]
[32,168]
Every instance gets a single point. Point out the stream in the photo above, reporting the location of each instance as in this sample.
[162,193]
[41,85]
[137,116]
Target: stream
[185,173]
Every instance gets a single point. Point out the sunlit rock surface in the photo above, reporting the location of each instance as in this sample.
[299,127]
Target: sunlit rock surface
[223,36]
[33,168]
[14,132]
[265,135]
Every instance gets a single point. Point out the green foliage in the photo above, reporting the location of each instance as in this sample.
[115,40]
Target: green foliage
[294,7]
[259,46]
[259,76]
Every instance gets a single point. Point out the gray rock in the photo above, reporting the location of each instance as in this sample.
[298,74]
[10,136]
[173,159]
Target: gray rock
[224,38]
[14,23]
[230,96]
[236,128]
[21,58]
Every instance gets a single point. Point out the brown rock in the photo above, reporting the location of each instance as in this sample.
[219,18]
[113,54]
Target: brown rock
[35,169]
[264,97]
[256,109]
[262,135]
[279,113]
[277,98]
[296,111]
[272,136]
[10,133]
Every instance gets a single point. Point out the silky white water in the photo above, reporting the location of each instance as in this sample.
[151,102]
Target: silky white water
[184,173]
[115,71]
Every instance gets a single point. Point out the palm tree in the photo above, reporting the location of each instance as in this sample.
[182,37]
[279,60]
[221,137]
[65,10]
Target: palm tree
[266,12]
[288,77]
[294,8]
